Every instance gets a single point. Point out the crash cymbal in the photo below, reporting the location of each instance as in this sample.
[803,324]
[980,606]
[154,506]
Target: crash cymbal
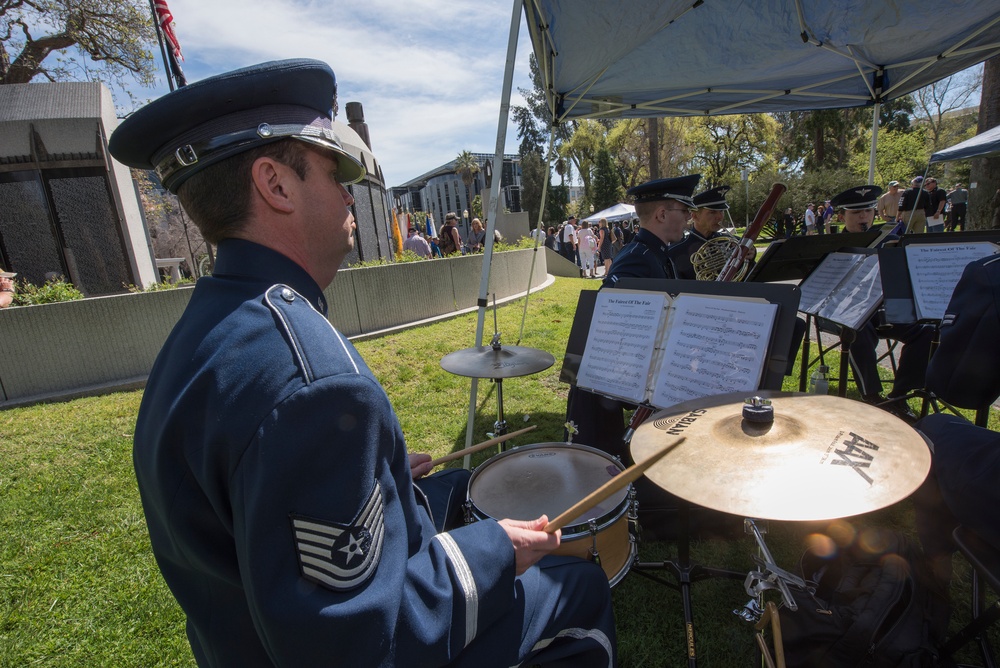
[821,458]
[507,362]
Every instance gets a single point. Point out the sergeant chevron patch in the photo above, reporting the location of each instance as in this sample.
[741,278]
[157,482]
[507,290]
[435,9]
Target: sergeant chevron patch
[337,556]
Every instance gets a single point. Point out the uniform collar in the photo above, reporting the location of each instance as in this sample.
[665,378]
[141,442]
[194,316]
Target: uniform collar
[242,259]
[649,239]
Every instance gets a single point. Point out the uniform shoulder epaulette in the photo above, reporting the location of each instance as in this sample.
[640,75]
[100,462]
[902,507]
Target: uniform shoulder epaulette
[319,349]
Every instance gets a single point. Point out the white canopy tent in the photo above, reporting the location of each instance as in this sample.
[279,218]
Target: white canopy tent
[613,214]
[983,145]
[655,58]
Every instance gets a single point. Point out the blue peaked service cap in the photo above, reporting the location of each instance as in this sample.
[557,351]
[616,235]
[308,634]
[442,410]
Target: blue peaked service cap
[680,188]
[859,197]
[216,118]
[713,198]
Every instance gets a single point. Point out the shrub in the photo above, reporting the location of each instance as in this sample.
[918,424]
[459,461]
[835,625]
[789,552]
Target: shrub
[162,285]
[53,290]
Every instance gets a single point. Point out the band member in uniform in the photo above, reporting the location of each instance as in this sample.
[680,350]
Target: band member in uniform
[965,465]
[706,223]
[663,207]
[273,472]
[857,208]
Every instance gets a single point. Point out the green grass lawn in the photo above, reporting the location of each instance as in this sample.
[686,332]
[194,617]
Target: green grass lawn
[79,585]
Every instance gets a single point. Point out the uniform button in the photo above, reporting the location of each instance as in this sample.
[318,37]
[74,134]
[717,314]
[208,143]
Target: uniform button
[287,295]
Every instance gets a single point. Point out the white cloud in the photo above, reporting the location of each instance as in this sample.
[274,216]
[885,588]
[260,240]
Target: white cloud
[428,72]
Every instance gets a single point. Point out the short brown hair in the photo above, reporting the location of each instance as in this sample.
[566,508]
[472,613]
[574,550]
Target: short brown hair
[218,197]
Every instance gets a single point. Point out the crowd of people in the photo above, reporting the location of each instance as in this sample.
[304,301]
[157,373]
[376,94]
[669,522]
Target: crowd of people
[589,248]
[923,207]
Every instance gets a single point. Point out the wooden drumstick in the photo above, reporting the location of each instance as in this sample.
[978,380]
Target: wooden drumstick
[480,446]
[624,478]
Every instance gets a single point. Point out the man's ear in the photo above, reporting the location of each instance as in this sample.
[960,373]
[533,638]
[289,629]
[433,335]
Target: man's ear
[271,180]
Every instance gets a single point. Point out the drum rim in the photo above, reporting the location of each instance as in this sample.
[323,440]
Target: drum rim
[570,531]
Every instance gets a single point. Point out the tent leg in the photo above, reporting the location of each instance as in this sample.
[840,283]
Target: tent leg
[871,160]
[494,206]
[538,230]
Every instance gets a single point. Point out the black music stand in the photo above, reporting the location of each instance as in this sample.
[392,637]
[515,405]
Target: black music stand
[793,258]
[900,302]
[846,334]
[685,573]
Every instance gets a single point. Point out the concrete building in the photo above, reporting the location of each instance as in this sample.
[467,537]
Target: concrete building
[66,208]
[441,190]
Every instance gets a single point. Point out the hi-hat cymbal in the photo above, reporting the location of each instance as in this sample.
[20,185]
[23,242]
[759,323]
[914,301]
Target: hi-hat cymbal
[821,458]
[507,362]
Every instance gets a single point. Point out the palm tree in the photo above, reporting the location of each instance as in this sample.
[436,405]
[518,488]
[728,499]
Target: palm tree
[466,167]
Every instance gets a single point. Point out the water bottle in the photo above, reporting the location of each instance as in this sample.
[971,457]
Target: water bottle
[818,382]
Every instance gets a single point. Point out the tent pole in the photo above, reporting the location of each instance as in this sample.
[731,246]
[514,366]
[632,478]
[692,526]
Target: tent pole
[538,229]
[494,206]
[871,160]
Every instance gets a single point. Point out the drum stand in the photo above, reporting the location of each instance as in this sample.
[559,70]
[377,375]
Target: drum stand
[684,575]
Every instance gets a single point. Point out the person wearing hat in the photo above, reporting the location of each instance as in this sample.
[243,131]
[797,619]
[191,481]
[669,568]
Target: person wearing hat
[451,241]
[911,207]
[888,204]
[416,243]
[6,288]
[663,207]
[706,223]
[275,480]
[857,206]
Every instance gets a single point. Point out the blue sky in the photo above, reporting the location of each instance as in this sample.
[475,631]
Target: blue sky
[428,72]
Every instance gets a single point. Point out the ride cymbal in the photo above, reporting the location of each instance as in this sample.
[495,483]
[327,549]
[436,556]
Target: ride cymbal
[822,457]
[505,362]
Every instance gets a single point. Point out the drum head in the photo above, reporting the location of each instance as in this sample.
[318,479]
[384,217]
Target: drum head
[546,478]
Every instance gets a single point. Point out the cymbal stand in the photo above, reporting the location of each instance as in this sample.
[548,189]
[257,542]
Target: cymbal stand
[500,426]
[684,575]
[767,576]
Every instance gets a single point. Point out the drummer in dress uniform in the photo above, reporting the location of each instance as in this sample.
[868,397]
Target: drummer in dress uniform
[706,223]
[274,475]
[663,207]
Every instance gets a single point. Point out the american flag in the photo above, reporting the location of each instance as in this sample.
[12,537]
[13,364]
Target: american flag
[166,21]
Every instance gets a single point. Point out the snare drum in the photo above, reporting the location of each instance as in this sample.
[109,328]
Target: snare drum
[548,478]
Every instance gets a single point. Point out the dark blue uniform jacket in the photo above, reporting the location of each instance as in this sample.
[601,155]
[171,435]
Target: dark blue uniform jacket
[277,491]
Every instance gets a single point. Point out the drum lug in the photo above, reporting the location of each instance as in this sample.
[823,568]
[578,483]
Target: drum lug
[467,511]
[634,530]
[595,555]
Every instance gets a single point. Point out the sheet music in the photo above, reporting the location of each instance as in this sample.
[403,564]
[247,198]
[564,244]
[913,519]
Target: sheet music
[826,277]
[854,302]
[935,270]
[621,343]
[713,346]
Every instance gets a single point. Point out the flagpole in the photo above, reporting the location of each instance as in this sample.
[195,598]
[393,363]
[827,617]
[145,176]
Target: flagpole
[163,50]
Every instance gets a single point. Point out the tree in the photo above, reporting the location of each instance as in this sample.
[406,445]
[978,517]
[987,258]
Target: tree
[984,212]
[726,145]
[171,231]
[934,103]
[114,34]
[899,156]
[606,184]
[467,167]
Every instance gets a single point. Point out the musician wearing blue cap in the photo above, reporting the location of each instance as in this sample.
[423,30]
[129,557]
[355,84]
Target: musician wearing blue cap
[274,476]
[706,223]
[663,207]
[857,208]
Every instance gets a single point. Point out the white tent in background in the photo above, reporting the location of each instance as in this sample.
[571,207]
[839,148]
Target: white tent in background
[981,146]
[614,214]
